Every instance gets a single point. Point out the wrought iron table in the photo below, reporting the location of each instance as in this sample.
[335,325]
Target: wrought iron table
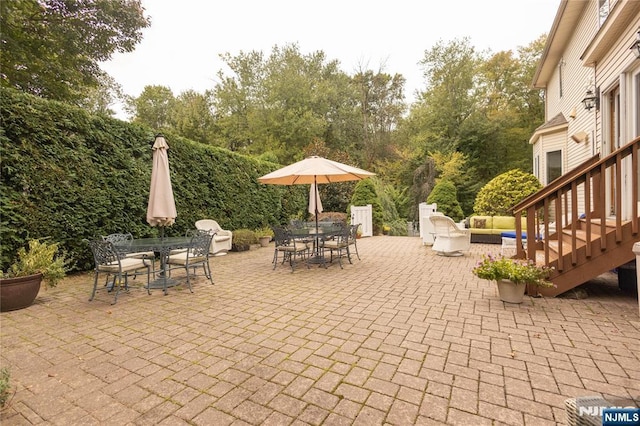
[163,246]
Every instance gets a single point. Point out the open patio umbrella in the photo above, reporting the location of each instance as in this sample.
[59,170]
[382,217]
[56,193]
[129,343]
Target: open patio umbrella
[314,170]
[161,210]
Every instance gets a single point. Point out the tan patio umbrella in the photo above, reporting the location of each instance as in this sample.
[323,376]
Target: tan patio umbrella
[161,210]
[314,170]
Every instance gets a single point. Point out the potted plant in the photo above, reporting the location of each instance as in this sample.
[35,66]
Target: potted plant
[264,235]
[512,276]
[242,239]
[20,284]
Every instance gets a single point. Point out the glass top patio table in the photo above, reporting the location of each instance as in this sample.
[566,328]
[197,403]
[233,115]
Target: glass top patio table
[164,246]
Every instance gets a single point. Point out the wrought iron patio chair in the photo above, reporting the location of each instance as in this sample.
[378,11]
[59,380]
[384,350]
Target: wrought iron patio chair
[339,244]
[353,239]
[197,256]
[291,248]
[108,260]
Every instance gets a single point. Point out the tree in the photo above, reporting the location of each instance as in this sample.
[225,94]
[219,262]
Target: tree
[191,116]
[381,105]
[51,48]
[99,99]
[445,195]
[280,103]
[153,108]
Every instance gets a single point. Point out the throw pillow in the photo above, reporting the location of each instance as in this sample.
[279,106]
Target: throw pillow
[479,223]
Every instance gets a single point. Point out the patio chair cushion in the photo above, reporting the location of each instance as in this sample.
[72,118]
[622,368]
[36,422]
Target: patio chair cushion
[128,264]
[181,258]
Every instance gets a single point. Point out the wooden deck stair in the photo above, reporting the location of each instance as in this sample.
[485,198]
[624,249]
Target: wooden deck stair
[574,273]
[586,245]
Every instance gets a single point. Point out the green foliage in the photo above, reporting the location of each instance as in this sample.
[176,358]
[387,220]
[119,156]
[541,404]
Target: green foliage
[264,231]
[69,175]
[518,271]
[397,227]
[41,258]
[52,48]
[445,195]
[504,191]
[5,386]
[365,193]
[243,237]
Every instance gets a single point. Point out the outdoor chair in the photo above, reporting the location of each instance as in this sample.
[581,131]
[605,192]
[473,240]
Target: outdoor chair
[222,238]
[450,240]
[109,261]
[117,238]
[339,244]
[290,247]
[353,239]
[197,256]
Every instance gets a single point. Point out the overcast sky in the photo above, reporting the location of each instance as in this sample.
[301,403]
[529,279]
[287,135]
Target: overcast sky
[181,47]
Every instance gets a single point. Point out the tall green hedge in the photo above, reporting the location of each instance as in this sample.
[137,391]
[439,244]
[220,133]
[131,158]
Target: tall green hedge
[70,175]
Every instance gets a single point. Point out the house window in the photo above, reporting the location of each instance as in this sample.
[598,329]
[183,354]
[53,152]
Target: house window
[554,165]
[603,11]
[536,166]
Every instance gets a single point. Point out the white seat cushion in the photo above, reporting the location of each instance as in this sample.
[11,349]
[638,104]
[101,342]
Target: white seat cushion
[128,264]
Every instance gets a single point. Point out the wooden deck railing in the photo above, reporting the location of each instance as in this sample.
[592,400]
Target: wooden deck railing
[579,194]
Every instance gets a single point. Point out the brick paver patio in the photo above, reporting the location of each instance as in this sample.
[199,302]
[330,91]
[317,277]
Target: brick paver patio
[402,337]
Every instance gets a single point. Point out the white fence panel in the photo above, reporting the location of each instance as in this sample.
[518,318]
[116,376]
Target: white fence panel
[364,216]
[426,228]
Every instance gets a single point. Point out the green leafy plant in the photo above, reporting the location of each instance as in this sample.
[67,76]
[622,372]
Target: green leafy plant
[516,270]
[504,191]
[445,195]
[243,238]
[5,386]
[264,231]
[41,258]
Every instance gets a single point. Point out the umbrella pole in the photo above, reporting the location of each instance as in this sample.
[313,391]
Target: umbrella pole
[315,187]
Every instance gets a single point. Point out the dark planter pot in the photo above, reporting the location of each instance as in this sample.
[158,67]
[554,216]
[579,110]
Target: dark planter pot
[18,293]
[240,247]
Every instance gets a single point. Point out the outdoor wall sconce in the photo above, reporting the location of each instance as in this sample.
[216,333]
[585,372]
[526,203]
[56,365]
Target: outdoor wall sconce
[580,137]
[636,46]
[592,100]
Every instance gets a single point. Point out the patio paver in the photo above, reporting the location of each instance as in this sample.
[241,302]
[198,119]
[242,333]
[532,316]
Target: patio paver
[401,337]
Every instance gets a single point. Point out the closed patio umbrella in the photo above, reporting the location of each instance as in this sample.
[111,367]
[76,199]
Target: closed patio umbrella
[315,204]
[161,210]
[314,170]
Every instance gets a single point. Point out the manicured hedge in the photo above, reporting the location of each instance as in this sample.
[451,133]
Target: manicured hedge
[70,175]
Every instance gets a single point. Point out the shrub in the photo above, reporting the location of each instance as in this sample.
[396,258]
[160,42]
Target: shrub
[504,191]
[243,237]
[445,195]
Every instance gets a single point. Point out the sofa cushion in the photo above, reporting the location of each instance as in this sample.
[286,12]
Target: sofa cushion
[504,222]
[481,222]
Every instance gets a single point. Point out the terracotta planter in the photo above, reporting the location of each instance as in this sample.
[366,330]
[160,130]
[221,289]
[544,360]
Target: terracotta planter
[18,293]
[264,241]
[510,292]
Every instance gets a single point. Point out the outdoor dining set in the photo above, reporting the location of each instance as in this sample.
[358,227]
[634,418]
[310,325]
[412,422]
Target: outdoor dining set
[308,242]
[120,256]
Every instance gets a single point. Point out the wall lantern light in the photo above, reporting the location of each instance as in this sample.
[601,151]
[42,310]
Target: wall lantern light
[592,100]
[636,46]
